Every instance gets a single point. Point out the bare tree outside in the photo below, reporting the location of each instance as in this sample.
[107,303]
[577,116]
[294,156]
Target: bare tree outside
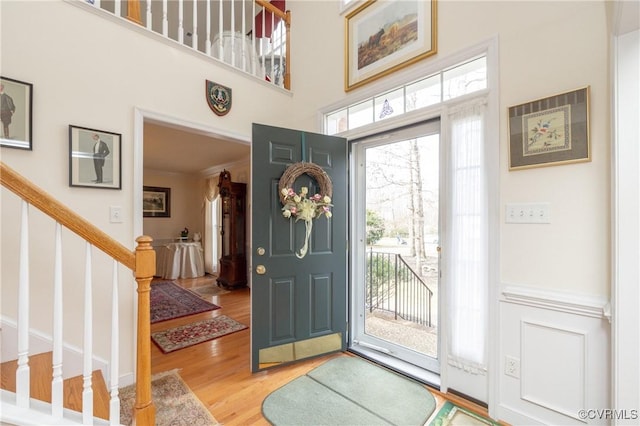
[402,195]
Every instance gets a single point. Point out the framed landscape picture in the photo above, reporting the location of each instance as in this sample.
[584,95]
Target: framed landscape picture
[156,201]
[385,36]
[16,99]
[94,158]
[550,131]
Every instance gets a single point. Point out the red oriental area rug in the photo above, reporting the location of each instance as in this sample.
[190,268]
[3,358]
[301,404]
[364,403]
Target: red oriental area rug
[169,300]
[184,336]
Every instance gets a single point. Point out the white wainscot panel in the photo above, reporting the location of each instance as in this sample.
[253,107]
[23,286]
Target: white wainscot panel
[554,358]
[561,355]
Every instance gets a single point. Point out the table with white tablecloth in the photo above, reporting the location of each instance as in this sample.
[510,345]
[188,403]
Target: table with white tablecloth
[180,260]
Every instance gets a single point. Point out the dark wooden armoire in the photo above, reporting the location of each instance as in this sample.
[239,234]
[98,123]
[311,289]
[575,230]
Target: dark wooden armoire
[233,260]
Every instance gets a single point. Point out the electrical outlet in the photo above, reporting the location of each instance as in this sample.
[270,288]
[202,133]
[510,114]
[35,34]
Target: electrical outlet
[512,366]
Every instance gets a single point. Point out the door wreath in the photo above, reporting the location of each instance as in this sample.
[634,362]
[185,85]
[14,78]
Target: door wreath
[300,205]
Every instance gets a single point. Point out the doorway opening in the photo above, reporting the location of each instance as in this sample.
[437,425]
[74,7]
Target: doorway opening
[396,279]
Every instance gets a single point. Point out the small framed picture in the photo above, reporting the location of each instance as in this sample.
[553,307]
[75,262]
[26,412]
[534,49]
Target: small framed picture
[550,131]
[16,98]
[94,158]
[156,201]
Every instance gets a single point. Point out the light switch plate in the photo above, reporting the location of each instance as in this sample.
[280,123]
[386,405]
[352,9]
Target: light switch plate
[528,213]
[115,214]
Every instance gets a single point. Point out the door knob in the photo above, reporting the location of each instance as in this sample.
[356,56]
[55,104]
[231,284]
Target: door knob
[260,269]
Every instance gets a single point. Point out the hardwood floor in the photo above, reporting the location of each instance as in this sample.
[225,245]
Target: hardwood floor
[219,371]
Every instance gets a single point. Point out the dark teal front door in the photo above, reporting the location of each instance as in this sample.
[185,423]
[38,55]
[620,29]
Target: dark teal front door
[298,305]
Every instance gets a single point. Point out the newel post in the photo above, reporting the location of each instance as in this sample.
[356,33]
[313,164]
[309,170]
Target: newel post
[145,411]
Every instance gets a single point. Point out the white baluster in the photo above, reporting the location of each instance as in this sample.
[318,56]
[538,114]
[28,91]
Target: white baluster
[96,3]
[57,381]
[220,30]
[244,32]
[233,33]
[114,404]
[273,51]
[262,45]
[181,21]
[207,43]
[283,35]
[118,8]
[149,17]
[194,39]
[87,391]
[165,20]
[22,373]
[253,33]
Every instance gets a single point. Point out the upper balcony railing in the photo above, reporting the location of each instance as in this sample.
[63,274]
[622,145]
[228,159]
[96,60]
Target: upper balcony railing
[250,35]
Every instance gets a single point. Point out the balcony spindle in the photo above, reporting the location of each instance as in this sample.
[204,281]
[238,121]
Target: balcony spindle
[220,31]
[165,19]
[207,43]
[233,32]
[194,36]
[57,381]
[181,21]
[149,16]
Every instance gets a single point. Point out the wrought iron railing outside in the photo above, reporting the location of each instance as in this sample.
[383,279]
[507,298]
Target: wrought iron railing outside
[393,286]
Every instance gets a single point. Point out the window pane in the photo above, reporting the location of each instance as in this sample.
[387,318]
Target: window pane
[361,114]
[389,104]
[464,79]
[423,93]
[337,122]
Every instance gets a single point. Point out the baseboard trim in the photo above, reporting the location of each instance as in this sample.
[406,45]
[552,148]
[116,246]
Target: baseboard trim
[40,342]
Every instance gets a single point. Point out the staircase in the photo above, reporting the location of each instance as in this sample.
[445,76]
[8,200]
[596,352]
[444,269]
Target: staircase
[40,384]
[33,388]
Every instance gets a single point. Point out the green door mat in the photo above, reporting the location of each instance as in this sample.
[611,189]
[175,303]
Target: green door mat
[349,391]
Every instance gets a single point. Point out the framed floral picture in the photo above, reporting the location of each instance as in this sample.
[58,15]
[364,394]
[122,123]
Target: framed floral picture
[16,99]
[385,36]
[550,131]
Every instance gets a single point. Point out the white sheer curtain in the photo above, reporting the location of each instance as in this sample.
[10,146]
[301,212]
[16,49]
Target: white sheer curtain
[467,256]
[210,239]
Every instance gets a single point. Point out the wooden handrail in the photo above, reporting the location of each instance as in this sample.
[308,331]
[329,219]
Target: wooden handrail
[37,197]
[142,261]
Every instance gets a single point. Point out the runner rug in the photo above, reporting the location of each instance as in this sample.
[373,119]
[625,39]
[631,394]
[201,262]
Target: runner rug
[175,403]
[451,415]
[349,391]
[169,300]
[184,336]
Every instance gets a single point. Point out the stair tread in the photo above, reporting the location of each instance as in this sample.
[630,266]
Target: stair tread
[41,370]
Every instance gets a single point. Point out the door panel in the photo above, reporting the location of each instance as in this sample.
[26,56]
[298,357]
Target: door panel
[298,306]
